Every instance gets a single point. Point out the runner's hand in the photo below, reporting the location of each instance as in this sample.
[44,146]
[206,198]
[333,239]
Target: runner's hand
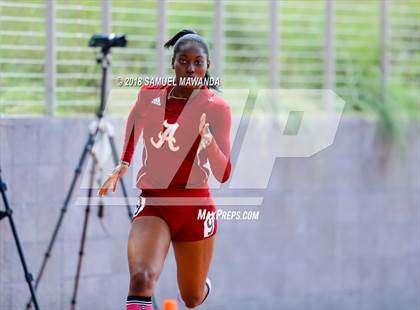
[204,130]
[113,179]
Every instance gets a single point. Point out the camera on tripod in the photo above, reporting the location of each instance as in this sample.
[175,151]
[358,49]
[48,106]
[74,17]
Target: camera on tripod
[106,41]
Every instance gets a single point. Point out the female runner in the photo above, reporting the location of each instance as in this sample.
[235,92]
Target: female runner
[186,132]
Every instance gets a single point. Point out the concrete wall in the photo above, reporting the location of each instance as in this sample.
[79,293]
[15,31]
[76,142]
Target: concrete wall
[338,230]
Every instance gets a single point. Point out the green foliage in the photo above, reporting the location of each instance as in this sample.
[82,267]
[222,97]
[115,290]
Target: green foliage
[246,52]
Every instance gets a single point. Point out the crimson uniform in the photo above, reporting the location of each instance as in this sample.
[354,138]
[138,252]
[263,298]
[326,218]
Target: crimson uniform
[174,173]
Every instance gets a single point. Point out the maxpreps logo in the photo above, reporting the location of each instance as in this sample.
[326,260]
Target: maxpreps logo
[220,214]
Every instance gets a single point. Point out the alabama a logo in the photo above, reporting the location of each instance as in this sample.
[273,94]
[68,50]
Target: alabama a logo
[168,135]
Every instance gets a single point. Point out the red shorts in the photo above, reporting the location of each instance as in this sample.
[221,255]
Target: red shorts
[186,222]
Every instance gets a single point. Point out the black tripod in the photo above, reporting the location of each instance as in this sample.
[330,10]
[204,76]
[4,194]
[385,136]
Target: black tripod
[98,126]
[85,225]
[8,212]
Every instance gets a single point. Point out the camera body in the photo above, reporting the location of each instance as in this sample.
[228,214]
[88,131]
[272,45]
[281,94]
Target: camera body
[106,41]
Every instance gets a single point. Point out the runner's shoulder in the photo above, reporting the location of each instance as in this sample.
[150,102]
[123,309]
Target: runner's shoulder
[217,101]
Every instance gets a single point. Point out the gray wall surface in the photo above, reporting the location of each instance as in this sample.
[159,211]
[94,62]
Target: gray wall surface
[337,230]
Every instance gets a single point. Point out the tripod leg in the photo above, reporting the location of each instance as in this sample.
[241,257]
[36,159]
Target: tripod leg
[87,148]
[84,232]
[8,213]
[124,189]
[81,252]
[79,262]
[154,303]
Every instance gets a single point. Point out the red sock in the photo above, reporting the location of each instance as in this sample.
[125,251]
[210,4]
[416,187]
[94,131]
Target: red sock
[139,303]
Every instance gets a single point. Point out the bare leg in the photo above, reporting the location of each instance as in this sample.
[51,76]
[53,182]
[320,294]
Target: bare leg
[193,261]
[148,245]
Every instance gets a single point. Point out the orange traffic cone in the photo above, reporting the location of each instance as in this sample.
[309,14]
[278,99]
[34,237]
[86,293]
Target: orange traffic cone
[170,304]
